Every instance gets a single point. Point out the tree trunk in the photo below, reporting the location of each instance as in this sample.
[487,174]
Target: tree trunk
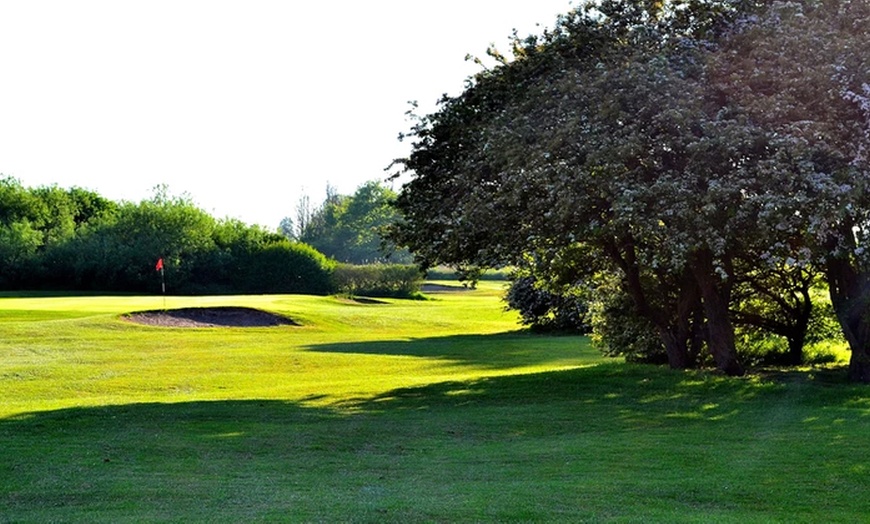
[859,367]
[720,331]
[674,335]
[698,335]
[676,349]
[689,318]
[795,355]
[798,333]
[850,296]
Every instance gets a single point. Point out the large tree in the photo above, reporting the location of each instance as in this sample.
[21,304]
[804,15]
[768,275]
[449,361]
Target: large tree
[697,145]
[600,132]
[801,70]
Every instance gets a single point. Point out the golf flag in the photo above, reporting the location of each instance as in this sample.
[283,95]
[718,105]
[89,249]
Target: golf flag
[159,267]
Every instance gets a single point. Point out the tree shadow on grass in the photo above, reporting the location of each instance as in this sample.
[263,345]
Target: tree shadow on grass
[494,351]
[615,391]
[376,458]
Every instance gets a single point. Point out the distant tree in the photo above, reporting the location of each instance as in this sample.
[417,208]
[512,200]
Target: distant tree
[18,203]
[304,216]
[53,238]
[120,254]
[287,229]
[348,228]
[19,245]
[34,222]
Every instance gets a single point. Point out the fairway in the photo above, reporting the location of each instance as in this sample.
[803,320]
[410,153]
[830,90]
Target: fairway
[74,352]
[436,410]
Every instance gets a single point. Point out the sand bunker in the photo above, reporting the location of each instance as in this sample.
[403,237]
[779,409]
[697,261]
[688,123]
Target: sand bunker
[210,317]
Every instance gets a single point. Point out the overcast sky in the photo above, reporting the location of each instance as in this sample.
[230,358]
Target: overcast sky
[242,104]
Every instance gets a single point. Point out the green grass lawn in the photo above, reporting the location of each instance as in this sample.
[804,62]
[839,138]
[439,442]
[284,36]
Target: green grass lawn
[406,411]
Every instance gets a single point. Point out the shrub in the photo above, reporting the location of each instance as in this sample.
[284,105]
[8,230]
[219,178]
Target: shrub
[286,267]
[378,280]
[617,329]
[466,274]
[545,310]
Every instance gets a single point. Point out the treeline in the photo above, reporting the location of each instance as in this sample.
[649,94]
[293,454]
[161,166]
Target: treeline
[74,239]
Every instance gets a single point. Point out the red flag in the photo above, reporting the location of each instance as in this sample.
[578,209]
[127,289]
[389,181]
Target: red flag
[159,266]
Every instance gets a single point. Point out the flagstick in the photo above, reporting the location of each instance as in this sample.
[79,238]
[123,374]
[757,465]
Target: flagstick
[159,267]
[163,287]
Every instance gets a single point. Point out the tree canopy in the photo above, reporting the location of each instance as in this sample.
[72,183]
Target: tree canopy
[631,129]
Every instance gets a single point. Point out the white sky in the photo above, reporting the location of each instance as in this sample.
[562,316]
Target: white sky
[242,104]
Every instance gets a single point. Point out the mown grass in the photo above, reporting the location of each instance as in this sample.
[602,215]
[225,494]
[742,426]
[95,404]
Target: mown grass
[408,411]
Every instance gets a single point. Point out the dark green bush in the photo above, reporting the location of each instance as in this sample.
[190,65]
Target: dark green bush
[617,329]
[286,267]
[462,274]
[378,280]
[75,240]
[545,310]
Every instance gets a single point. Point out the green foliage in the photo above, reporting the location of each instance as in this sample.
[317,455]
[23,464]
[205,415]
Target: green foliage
[285,267]
[796,70]
[617,329]
[662,136]
[764,347]
[598,133]
[349,228]
[173,228]
[76,240]
[823,324]
[550,290]
[378,280]
[19,243]
[545,310]
[35,226]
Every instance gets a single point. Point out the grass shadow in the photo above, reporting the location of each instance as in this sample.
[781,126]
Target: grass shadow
[602,443]
[613,392]
[494,351]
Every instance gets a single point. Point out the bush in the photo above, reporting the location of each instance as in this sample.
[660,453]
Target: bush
[467,274]
[544,310]
[378,280]
[286,267]
[617,329]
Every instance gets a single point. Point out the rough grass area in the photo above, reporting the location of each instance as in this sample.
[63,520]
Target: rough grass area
[407,411]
